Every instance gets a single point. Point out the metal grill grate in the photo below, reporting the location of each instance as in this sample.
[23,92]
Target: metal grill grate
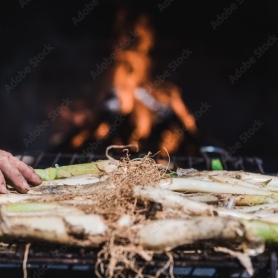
[44,160]
[45,260]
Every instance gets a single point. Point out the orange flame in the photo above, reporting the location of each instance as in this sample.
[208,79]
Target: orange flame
[132,71]
[79,139]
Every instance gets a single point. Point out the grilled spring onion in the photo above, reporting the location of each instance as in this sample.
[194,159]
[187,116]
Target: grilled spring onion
[246,200]
[240,200]
[51,222]
[254,178]
[173,200]
[155,235]
[195,185]
[97,167]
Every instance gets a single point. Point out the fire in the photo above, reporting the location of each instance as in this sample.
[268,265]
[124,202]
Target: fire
[171,140]
[78,113]
[132,65]
[102,130]
[79,139]
[137,98]
[143,103]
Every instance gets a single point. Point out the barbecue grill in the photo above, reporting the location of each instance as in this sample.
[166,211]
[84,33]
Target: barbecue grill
[199,260]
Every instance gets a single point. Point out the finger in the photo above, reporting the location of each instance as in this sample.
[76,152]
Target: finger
[27,171]
[11,172]
[4,154]
[3,188]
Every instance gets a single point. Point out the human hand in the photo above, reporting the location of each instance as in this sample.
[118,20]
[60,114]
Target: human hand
[17,173]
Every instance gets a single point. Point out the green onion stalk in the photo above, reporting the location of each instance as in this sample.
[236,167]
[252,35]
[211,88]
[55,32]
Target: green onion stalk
[60,172]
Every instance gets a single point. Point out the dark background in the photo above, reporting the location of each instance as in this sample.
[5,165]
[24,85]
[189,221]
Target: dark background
[203,77]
